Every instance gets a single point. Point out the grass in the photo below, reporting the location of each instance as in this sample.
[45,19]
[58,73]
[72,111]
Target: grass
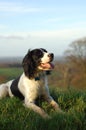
[14,116]
[10,73]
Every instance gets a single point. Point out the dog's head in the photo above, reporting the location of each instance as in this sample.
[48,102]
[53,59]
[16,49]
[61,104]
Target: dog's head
[36,60]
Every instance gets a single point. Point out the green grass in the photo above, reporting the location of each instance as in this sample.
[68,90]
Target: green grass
[14,116]
[10,73]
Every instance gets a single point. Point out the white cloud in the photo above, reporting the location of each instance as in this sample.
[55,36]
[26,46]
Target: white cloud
[18,8]
[55,41]
[68,33]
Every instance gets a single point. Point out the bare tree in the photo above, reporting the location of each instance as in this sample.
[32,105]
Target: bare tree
[76,55]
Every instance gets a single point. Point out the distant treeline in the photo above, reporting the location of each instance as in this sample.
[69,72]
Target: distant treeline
[17,61]
[11,62]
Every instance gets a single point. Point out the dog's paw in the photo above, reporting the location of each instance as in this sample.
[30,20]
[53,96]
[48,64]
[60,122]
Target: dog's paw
[46,116]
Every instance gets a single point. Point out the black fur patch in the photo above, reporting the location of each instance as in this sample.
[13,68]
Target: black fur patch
[14,89]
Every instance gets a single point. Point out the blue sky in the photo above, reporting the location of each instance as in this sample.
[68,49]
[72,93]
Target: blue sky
[51,24]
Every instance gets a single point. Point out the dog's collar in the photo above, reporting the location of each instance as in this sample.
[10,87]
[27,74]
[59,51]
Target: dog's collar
[39,77]
[48,72]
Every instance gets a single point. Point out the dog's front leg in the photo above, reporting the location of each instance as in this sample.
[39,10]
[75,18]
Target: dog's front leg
[55,106]
[53,103]
[36,109]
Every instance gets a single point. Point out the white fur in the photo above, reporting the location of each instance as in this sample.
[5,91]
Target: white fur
[45,58]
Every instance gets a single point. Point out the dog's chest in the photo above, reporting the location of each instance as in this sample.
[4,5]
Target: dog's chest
[36,88]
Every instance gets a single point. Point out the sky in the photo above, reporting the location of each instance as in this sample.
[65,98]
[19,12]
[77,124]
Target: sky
[49,24]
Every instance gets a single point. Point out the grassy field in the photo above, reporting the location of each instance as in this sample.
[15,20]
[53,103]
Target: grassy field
[10,73]
[14,116]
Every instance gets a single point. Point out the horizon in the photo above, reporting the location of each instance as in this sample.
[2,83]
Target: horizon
[13,60]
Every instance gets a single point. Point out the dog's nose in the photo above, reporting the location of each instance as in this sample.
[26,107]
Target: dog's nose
[51,55]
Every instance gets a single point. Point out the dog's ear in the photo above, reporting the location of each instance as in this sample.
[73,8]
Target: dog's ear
[29,65]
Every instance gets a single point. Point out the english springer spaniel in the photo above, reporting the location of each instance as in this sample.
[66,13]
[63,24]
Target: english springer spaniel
[33,82]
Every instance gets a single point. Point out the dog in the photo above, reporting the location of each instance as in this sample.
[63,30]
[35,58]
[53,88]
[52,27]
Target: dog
[33,82]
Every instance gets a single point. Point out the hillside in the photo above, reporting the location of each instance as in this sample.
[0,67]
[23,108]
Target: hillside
[14,116]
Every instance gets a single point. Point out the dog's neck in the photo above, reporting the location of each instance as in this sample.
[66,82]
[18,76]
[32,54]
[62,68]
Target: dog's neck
[42,74]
